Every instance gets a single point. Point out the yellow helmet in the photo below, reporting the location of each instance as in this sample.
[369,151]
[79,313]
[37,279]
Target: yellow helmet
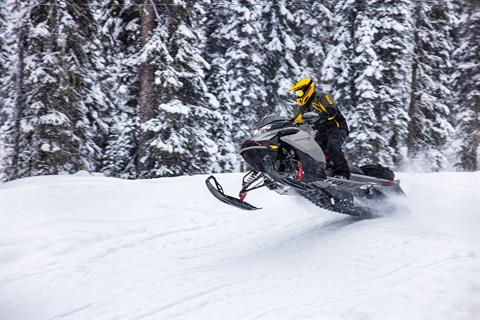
[304,90]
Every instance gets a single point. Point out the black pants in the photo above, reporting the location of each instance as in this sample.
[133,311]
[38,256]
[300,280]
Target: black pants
[331,141]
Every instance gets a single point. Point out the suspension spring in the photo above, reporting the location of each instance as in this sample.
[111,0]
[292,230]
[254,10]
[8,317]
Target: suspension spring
[249,178]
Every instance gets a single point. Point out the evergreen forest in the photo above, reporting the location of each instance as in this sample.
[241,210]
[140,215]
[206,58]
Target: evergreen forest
[153,88]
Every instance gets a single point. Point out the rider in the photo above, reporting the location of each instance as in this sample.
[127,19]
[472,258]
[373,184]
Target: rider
[332,128]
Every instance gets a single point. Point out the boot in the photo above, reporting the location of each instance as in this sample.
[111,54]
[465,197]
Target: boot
[314,170]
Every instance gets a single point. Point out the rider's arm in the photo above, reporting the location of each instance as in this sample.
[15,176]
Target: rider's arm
[325,104]
[298,117]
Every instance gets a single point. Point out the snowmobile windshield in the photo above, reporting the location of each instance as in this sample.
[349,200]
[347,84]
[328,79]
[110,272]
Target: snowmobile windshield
[270,120]
[269,123]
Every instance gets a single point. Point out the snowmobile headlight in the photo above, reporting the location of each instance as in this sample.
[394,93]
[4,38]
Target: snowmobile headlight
[262,129]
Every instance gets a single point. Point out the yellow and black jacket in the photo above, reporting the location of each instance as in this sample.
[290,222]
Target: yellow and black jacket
[323,103]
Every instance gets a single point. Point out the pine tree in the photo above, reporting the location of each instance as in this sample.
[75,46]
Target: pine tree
[12,85]
[217,78]
[384,82]
[181,133]
[7,110]
[117,33]
[313,35]
[337,71]
[237,64]
[59,127]
[364,69]
[364,122]
[281,67]
[467,107]
[338,77]
[431,96]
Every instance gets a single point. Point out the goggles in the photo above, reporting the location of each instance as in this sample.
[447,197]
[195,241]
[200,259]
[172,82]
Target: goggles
[299,93]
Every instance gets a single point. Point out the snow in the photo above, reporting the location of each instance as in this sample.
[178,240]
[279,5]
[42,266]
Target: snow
[54,118]
[92,247]
[41,30]
[174,106]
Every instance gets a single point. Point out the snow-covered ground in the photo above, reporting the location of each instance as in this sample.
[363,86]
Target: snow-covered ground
[89,247]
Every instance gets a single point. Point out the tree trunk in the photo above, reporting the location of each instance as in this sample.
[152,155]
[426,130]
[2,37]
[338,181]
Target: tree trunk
[412,147]
[473,166]
[147,97]
[13,171]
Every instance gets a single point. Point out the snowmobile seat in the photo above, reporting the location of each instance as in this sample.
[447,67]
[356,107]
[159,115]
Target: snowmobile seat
[378,171]
[355,169]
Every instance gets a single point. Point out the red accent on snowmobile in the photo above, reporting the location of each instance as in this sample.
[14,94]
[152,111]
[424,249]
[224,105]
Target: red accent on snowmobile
[242,196]
[249,143]
[300,173]
[391,183]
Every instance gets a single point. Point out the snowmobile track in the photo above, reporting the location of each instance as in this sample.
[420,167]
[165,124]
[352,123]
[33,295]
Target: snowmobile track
[324,201]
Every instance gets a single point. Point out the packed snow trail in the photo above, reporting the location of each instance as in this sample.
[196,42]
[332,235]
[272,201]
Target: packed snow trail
[89,247]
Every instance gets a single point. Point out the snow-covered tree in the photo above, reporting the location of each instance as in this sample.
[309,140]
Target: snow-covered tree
[180,136]
[367,142]
[237,77]
[384,82]
[466,110]
[59,110]
[367,71]
[313,35]
[118,28]
[281,68]
[431,95]
[217,80]
[337,71]
[7,110]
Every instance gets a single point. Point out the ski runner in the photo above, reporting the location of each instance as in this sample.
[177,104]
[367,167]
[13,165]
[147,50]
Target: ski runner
[331,129]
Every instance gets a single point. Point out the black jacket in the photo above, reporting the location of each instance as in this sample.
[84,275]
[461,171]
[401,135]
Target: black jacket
[323,103]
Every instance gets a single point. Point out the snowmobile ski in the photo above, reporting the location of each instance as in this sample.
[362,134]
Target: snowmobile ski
[217,191]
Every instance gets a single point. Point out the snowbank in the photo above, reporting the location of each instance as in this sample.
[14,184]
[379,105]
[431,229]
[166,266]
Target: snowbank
[89,247]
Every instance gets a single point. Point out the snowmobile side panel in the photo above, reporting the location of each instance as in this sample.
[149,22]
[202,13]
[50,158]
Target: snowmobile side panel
[217,191]
[305,143]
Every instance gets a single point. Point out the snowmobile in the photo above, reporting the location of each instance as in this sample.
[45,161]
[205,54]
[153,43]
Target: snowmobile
[284,157]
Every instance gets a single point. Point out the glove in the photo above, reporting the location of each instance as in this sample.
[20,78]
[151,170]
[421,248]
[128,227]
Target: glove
[314,117]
